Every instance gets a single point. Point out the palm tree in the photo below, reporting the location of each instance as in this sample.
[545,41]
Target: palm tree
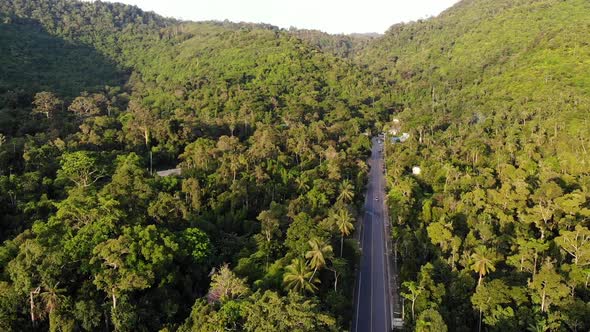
[346,192]
[299,278]
[343,221]
[301,183]
[52,298]
[363,168]
[483,262]
[320,250]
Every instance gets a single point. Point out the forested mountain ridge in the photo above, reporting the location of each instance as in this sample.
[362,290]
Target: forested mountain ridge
[344,46]
[267,127]
[477,48]
[33,59]
[496,97]
[108,27]
[267,130]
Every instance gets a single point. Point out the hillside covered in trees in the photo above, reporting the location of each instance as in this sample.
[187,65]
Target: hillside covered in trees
[494,232]
[268,128]
[96,97]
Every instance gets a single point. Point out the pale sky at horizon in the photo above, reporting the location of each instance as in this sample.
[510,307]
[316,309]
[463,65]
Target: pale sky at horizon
[333,16]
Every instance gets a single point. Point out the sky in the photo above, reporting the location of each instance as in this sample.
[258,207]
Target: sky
[332,16]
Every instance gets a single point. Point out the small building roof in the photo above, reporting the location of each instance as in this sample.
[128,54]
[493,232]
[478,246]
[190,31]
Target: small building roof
[170,172]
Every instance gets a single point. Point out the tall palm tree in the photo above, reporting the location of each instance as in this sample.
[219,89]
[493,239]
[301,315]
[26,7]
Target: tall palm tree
[346,192]
[299,278]
[320,250]
[344,222]
[363,168]
[52,297]
[483,262]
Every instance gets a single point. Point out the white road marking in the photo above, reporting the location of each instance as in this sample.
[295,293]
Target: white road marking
[384,283]
[372,258]
[358,302]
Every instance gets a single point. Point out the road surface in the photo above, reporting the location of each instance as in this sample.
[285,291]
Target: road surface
[373,312]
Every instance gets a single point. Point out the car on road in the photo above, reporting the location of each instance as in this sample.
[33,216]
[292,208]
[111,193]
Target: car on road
[376,198]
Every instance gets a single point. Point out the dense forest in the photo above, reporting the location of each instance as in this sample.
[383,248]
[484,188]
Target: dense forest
[254,235]
[494,232]
[271,129]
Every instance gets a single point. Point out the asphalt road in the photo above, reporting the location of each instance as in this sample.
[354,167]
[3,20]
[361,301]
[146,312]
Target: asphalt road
[372,298]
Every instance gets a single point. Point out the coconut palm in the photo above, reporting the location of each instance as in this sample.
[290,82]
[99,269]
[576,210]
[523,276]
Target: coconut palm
[301,183]
[299,278]
[346,192]
[52,297]
[344,222]
[319,251]
[483,262]
[362,166]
